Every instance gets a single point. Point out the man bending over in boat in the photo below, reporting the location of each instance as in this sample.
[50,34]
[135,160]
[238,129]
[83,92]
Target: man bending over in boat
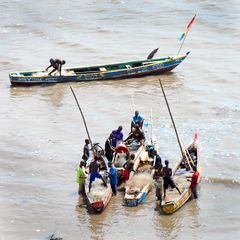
[167,179]
[136,134]
[117,136]
[137,119]
[56,64]
[94,172]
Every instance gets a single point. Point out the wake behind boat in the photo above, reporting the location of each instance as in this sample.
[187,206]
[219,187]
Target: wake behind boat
[122,70]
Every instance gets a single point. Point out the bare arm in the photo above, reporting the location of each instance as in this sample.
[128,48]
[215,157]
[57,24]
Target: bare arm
[60,69]
[48,67]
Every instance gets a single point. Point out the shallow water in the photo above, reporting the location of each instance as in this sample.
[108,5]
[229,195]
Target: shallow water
[42,133]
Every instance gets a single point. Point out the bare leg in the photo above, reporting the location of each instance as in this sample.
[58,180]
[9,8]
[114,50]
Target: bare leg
[90,185]
[105,184]
[178,190]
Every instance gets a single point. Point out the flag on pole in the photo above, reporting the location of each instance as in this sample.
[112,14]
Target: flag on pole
[187,29]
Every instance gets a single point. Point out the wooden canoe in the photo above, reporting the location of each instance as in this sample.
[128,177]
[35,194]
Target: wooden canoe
[141,183]
[120,159]
[122,70]
[181,174]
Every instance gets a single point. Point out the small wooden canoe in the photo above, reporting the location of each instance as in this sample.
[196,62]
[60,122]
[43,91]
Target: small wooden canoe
[120,158]
[140,184]
[181,174]
[100,195]
[122,70]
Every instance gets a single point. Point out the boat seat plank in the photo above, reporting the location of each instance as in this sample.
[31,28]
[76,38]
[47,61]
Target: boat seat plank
[147,63]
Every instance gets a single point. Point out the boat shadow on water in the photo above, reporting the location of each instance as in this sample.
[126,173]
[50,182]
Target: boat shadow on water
[168,78]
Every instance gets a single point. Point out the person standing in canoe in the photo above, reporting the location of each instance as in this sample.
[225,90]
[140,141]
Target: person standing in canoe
[167,179]
[56,64]
[128,167]
[194,182]
[137,119]
[117,136]
[94,172]
[158,183]
[109,150]
[156,159]
[113,177]
[86,150]
[81,176]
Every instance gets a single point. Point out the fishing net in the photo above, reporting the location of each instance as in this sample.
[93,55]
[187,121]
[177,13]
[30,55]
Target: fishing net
[98,191]
[138,181]
[45,74]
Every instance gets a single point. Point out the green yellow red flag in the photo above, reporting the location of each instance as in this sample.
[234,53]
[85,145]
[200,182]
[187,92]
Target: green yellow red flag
[187,29]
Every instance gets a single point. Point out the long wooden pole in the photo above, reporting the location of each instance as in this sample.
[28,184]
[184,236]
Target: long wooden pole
[178,139]
[85,124]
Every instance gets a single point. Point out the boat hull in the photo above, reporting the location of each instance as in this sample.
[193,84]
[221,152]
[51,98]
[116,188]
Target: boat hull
[132,200]
[100,204]
[173,207]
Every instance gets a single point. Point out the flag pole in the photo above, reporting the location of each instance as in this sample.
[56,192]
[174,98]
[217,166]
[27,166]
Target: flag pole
[186,32]
[181,45]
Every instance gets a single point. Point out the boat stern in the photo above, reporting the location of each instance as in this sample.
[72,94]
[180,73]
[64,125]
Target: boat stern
[130,202]
[98,206]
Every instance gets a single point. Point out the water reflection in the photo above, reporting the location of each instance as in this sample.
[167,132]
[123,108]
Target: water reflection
[53,94]
[94,221]
[173,226]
